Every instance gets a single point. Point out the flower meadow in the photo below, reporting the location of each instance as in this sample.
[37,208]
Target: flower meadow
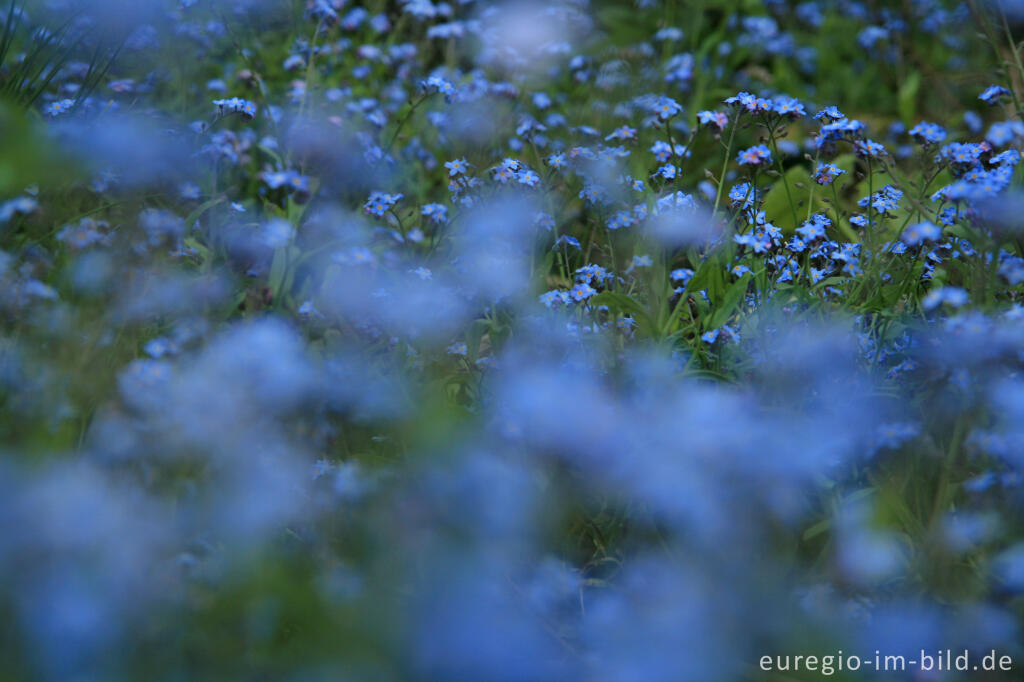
[569,340]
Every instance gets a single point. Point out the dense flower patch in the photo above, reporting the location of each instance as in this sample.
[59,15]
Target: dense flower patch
[508,341]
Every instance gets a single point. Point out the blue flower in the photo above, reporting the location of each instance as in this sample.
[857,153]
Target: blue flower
[894,434]
[1004,132]
[885,200]
[437,213]
[435,84]
[83,234]
[796,245]
[754,241]
[1011,157]
[555,297]
[953,296]
[17,206]
[622,133]
[740,270]
[715,119]
[962,155]
[992,94]
[667,171]
[142,380]
[973,121]
[380,203]
[750,103]
[681,275]
[675,201]
[544,220]
[236,105]
[457,167]
[528,178]
[872,35]
[567,240]
[788,106]
[290,180]
[830,114]
[1008,567]
[814,228]
[928,133]
[827,173]
[742,196]
[665,108]
[619,220]
[582,291]
[755,156]
[669,33]
[506,170]
[662,151]
[321,468]
[869,148]
[843,129]
[59,107]
[277,232]
[591,193]
[160,346]
[592,273]
[920,233]
[357,255]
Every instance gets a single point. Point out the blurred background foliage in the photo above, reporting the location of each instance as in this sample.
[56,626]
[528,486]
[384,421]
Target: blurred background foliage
[242,439]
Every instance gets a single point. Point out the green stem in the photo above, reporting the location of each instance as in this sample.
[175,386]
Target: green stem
[947,470]
[835,203]
[725,163]
[785,181]
[404,120]
[810,198]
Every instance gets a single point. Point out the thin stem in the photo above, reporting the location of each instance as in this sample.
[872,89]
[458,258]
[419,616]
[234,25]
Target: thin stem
[725,163]
[404,120]
[810,198]
[835,203]
[785,181]
[1016,55]
[310,72]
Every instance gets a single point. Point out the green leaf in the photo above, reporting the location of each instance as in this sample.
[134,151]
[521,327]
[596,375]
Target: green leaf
[278,268]
[817,529]
[27,155]
[702,275]
[474,334]
[193,243]
[776,202]
[733,295]
[628,306]
[192,217]
[906,99]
